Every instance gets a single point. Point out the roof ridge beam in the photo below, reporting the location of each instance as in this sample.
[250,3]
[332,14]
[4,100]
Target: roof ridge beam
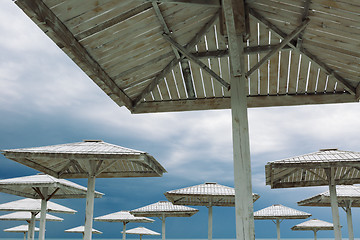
[283,43]
[67,39]
[208,3]
[303,51]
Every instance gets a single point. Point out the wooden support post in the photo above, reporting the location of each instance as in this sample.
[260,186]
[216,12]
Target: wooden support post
[163,227]
[241,147]
[278,229]
[32,226]
[43,213]
[24,235]
[124,231]
[315,237]
[210,220]
[349,219]
[330,172]
[90,194]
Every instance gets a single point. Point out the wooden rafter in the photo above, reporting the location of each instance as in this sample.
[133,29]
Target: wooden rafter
[52,194]
[283,43]
[175,61]
[304,16]
[197,61]
[184,62]
[43,14]
[303,51]
[208,3]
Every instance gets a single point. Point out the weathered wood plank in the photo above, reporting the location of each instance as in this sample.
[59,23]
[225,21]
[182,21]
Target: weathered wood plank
[303,72]
[284,67]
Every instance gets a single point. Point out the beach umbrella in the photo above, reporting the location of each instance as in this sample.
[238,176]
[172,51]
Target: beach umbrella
[81,229]
[313,225]
[44,187]
[22,228]
[26,216]
[279,213]
[125,217]
[208,194]
[33,206]
[162,210]
[89,159]
[141,231]
[327,167]
[164,56]
[347,197]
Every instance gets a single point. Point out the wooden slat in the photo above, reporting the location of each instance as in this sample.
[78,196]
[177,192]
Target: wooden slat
[312,79]
[304,67]
[284,66]
[205,76]
[253,58]
[293,72]
[321,82]
[179,82]
[264,40]
[164,91]
[274,65]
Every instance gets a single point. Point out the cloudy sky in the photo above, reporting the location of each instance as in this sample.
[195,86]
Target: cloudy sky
[46,99]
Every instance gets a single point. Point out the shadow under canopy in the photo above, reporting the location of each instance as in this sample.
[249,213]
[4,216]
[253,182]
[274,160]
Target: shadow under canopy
[176,55]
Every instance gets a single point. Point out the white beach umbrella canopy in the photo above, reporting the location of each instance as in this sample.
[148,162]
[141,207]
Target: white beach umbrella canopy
[34,206]
[327,167]
[162,210]
[44,187]
[348,196]
[81,229]
[26,216]
[208,194]
[89,159]
[141,231]
[313,225]
[22,228]
[125,217]
[278,213]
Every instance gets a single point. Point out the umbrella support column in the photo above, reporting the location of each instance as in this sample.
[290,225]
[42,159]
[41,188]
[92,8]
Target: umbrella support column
[210,218]
[89,208]
[24,235]
[234,17]
[31,226]
[349,220]
[163,227]
[124,231]
[43,214]
[278,228]
[315,237]
[334,204]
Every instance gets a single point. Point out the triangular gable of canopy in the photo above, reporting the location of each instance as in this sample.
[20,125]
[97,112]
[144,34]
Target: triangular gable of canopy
[173,55]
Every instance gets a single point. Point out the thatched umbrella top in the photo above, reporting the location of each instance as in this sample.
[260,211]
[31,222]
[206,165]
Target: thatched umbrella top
[123,216]
[141,231]
[164,208]
[314,225]
[21,228]
[26,216]
[278,211]
[80,229]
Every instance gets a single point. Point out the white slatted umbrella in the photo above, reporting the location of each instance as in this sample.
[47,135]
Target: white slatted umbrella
[313,225]
[22,228]
[327,167]
[89,159]
[148,56]
[141,231]
[81,229]
[44,187]
[34,206]
[125,217]
[162,210]
[278,213]
[347,197]
[208,194]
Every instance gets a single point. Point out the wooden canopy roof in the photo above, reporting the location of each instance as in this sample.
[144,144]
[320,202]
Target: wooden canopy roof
[141,231]
[26,216]
[207,194]
[311,169]
[28,186]
[164,208]
[21,228]
[313,225]
[80,229]
[72,160]
[278,211]
[343,194]
[123,216]
[172,55]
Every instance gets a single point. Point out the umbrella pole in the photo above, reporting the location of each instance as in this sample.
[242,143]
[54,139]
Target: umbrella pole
[140,236]
[43,214]
[25,235]
[233,10]
[163,226]
[315,237]
[210,218]
[89,208]
[349,220]
[278,229]
[31,227]
[334,204]
[124,231]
